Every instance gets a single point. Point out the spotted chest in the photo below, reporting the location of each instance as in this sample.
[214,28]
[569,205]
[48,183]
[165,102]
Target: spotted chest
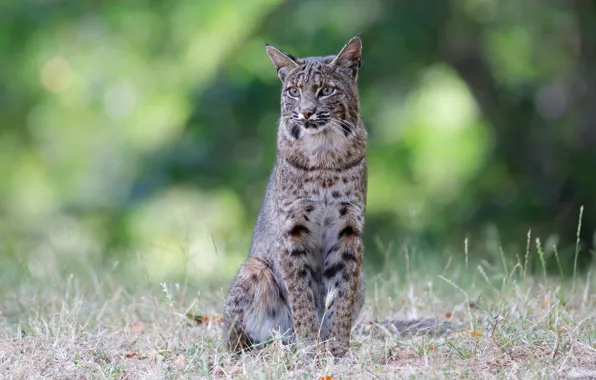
[317,203]
[327,187]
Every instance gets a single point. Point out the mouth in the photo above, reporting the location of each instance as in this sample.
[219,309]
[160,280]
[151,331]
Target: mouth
[314,127]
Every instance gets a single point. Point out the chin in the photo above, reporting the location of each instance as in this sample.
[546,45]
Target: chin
[313,128]
[314,131]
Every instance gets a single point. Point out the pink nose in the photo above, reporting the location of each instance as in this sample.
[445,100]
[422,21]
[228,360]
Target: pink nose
[306,114]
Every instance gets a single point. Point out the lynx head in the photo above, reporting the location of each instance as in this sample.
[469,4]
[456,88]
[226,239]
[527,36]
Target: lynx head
[319,94]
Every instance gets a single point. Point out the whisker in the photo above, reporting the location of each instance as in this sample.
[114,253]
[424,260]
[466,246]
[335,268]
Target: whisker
[331,123]
[337,127]
[346,127]
[346,122]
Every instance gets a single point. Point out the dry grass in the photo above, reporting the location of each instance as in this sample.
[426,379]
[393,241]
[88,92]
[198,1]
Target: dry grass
[502,326]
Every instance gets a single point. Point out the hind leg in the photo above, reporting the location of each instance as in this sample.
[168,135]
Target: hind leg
[255,307]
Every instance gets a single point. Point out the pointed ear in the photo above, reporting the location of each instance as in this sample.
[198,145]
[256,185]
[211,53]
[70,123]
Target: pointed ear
[351,55]
[283,62]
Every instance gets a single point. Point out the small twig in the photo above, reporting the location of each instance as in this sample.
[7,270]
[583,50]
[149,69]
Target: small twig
[556,350]
[492,330]
[499,318]
[372,373]
[585,345]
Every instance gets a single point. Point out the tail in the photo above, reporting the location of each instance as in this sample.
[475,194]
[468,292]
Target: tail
[425,326]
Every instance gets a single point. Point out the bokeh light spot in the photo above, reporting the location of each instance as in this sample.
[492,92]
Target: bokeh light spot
[120,101]
[56,74]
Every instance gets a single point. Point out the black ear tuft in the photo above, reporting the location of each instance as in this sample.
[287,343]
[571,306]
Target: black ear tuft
[290,56]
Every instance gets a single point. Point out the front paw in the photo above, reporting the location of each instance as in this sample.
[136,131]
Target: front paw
[337,349]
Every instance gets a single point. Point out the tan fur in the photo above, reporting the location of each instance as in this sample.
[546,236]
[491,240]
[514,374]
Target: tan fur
[257,271]
[307,243]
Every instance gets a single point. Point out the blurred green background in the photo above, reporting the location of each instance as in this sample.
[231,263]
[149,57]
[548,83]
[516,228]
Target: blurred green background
[144,131]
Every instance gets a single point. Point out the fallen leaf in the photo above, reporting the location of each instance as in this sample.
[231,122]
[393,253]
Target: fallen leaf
[448,315]
[219,372]
[433,348]
[179,361]
[138,327]
[327,377]
[504,362]
[132,355]
[474,333]
[205,319]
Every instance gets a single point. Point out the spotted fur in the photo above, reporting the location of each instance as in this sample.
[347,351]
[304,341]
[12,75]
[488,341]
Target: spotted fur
[304,270]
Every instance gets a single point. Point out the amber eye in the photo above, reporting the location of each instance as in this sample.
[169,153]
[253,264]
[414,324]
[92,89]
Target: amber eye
[294,92]
[327,90]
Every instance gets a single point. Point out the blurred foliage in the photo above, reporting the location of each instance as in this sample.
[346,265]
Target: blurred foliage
[147,128]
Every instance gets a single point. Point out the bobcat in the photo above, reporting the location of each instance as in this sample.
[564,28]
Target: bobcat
[303,274]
